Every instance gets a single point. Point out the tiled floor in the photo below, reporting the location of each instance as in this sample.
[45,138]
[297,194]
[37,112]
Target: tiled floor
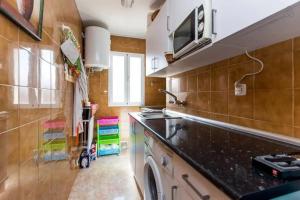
[108,178]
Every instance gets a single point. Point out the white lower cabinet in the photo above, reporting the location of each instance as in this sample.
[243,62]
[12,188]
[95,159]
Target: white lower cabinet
[173,190]
[192,185]
[178,193]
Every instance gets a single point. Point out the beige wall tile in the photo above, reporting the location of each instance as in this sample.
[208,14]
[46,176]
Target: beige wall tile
[240,59]
[192,83]
[33,90]
[219,102]
[125,44]
[9,107]
[278,48]
[29,105]
[204,79]
[271,95]
[175,85]
[183,84]
[236,72]
[8,29]
[11,187]
[28,180]
[9,67]
[28,68]
[192,100]
[297,108]
[269,107]
[297,69]
[297,132]
[9,145]
[29,142]
[219,80]
[241,106]
[220,117]
[277,72]
[204,101]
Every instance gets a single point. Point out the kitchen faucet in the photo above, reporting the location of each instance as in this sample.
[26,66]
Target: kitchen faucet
[176,101]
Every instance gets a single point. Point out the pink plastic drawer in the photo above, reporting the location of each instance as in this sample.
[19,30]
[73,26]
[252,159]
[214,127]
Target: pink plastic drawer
[104,121]
[54,124]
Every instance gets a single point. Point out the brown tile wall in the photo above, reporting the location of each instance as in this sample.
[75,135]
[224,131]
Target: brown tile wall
[272,102]
[27,75]
[99,85]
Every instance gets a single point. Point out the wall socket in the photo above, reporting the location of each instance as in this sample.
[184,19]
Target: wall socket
[240,89]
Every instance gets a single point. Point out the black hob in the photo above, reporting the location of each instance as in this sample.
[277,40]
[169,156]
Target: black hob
[285,166]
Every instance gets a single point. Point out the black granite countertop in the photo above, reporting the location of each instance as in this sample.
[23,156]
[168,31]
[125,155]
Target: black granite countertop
[224,156]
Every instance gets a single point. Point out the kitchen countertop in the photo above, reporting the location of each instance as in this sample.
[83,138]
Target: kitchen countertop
[224,156]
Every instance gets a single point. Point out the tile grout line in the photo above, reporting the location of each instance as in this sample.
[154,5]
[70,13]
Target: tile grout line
[228,86]
[293,88]
[254,87]
[19,134]
[210,90]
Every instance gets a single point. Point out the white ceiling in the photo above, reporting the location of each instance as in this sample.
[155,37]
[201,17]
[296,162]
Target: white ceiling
[130,22]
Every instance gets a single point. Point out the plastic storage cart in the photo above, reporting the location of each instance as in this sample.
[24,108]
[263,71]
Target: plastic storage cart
[108,136]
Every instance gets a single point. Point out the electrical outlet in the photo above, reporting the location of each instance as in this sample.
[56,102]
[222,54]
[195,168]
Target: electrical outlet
[240,89]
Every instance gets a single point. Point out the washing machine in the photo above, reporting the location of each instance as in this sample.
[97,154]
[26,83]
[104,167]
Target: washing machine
[158,170]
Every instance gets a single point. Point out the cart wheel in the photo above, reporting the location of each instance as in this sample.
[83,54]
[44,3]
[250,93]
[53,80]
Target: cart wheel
[84,160]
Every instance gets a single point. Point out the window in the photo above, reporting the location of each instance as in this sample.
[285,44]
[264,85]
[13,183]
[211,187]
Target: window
[126,79]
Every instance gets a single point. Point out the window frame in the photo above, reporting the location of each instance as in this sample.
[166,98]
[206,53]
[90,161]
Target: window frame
[126,103]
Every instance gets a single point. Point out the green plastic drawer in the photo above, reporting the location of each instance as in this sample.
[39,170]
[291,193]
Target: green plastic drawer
[109,139]
[54,146]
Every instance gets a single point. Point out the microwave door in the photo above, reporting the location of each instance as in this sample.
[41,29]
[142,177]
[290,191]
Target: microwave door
[185,35]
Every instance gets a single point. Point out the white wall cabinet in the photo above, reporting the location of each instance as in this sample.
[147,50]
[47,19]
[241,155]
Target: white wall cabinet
[235,15]
[157,42]
[239,25]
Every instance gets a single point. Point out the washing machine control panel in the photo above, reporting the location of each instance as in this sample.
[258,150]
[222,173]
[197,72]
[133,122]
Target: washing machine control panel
[164,161]
[160,153]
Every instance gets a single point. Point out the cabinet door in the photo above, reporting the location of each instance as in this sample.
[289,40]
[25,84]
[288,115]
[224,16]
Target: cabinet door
[150,50]
[162,37]
[179,9]
[157,42]
[139,155]
[194,183]
[235,15]
[177,192]
[174,191]
[132,144]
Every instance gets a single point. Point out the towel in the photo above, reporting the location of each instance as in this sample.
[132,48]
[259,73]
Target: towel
[80,96]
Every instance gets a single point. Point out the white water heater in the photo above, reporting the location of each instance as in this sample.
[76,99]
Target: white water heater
[97,47]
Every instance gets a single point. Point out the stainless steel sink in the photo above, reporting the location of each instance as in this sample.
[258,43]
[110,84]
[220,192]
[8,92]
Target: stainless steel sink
[157,116]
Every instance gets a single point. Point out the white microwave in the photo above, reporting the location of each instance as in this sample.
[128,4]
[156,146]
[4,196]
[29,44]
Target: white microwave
[195,31]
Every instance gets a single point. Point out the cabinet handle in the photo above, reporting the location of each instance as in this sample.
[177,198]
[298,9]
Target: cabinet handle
[214,12]
[174,189]
[154,66]
[185,177]
[152,63]
[168,23]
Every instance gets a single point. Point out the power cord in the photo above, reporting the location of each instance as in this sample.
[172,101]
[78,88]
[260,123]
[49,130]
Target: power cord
[251,74]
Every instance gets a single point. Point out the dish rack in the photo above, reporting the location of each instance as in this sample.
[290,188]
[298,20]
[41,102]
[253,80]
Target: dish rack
[108,136]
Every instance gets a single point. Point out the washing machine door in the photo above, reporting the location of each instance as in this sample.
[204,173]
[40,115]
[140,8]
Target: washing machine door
[153,185]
